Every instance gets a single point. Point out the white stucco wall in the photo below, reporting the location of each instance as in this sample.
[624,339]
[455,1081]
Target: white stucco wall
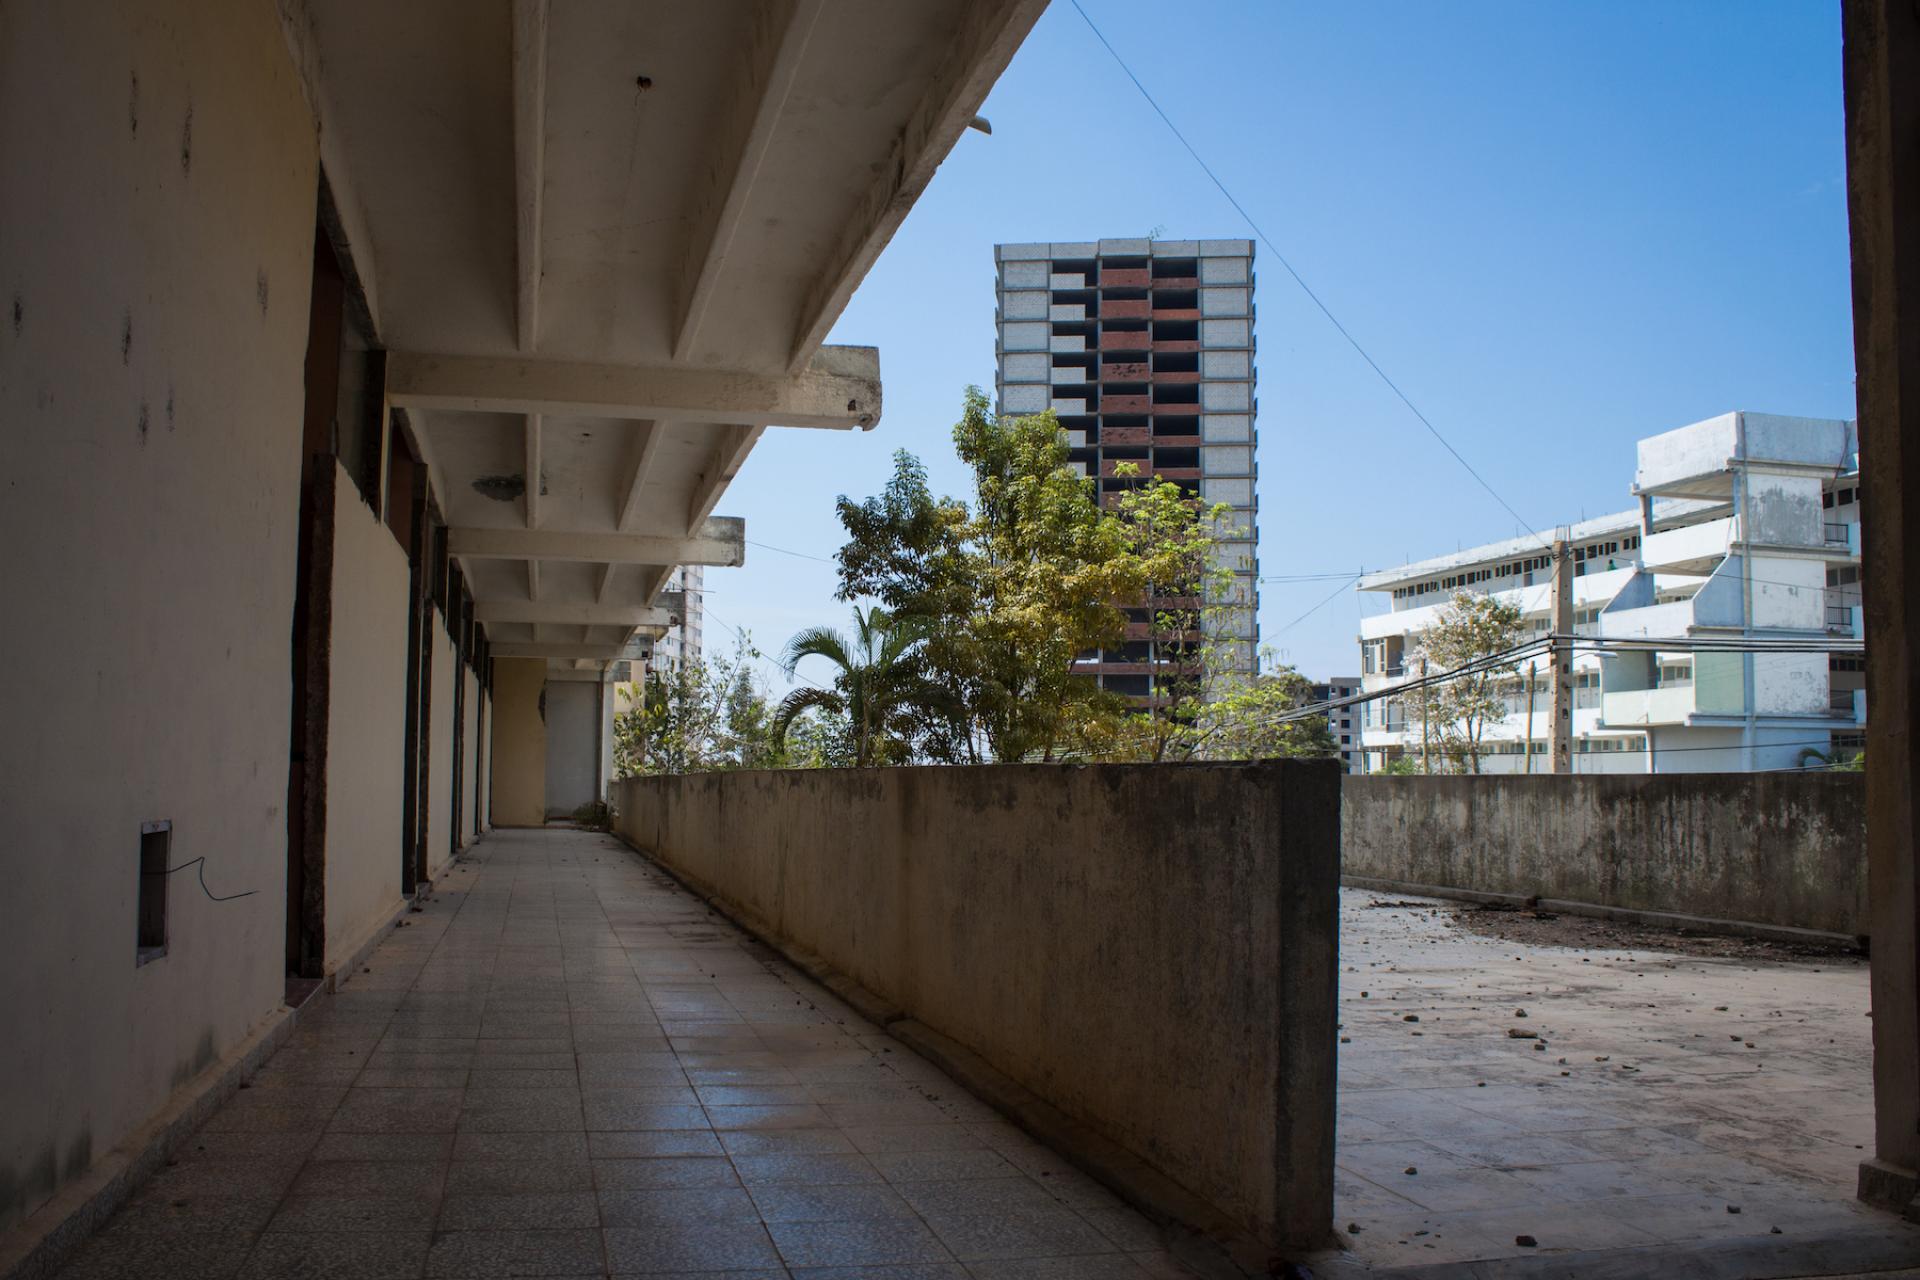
[486,761]
[517,742]
[366,724]
[153,321]
[470,755]
[440,747]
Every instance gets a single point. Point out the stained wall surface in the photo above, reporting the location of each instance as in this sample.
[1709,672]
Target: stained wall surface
[469,755]
[440,829]
[1150,949]
[366,725]
[156,245]
[1764,848]
[517,738]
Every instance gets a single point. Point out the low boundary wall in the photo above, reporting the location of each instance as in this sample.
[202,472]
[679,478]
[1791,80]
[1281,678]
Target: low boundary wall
[1784,851]
[1150,950]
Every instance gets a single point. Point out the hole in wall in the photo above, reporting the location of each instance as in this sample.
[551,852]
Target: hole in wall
[156,847]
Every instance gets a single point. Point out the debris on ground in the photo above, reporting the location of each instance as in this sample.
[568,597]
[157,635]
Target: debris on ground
[1544,929]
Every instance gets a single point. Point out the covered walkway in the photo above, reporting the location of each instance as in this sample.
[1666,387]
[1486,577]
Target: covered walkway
[566,1065]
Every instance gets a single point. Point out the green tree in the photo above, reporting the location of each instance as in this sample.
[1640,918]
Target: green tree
[1054,569]
[1011,589]
[912,553]
[695,716]
[1261,718]
[1833,761]
[672,727]
[1468,636]
[1186,613]
[879,684]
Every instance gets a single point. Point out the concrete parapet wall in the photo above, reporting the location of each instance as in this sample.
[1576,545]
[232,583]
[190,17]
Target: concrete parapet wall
[1148,949]
[1778,849]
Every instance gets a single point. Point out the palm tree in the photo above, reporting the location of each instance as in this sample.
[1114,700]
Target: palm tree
[1834,761]
[880,679]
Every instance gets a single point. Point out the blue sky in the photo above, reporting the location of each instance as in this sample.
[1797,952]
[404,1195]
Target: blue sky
[1557,227]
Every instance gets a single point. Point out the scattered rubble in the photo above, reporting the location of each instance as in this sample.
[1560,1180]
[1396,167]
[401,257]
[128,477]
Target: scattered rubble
[1547,929]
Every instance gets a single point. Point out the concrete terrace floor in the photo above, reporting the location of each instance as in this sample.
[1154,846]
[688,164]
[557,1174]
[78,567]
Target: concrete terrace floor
[1662,1090]
[566,1066]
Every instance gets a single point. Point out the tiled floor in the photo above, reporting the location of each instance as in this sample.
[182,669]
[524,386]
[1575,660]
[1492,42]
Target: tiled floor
[1640,1100]
[567,1067]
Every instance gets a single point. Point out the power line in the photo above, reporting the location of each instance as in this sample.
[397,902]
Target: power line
[1323,604]
[1304,287]
[1344,575]
[798,555]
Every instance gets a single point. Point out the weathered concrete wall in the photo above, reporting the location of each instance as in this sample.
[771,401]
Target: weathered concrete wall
[153,324]
[366,729]
[518,742]
[1785,849]
[440,757]
[1150,949]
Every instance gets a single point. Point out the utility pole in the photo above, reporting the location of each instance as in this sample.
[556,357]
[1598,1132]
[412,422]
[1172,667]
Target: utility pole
[1529,741]
[1426,717]
[1560,728]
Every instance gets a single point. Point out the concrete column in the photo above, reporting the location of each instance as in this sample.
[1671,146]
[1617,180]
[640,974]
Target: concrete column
[1882,72]
[1560,727]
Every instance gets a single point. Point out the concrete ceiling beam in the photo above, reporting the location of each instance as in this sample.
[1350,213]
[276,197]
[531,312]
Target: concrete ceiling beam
[763,79]
[578,615]
[529,158]
[729,454]
[532,494]
[989,32]
[653,584]
[838,389]
[719,541]
[566,650]
[646,451]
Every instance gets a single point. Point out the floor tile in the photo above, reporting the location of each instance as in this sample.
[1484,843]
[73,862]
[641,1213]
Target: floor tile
[864,1242]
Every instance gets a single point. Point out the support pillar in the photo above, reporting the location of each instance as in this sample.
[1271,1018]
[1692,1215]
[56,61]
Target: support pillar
[1881,63]
[1560,727]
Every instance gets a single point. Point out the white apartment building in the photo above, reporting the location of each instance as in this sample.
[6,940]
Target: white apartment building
[1747,531]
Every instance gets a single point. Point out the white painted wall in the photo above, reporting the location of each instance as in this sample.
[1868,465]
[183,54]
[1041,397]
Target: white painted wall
[366,725]
[1024,336]
[573,766]
[1024,304]
[470,755]
[440,747]
[1023,274]
[153,321]
[486,760]
[517,734]
[1224,270]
